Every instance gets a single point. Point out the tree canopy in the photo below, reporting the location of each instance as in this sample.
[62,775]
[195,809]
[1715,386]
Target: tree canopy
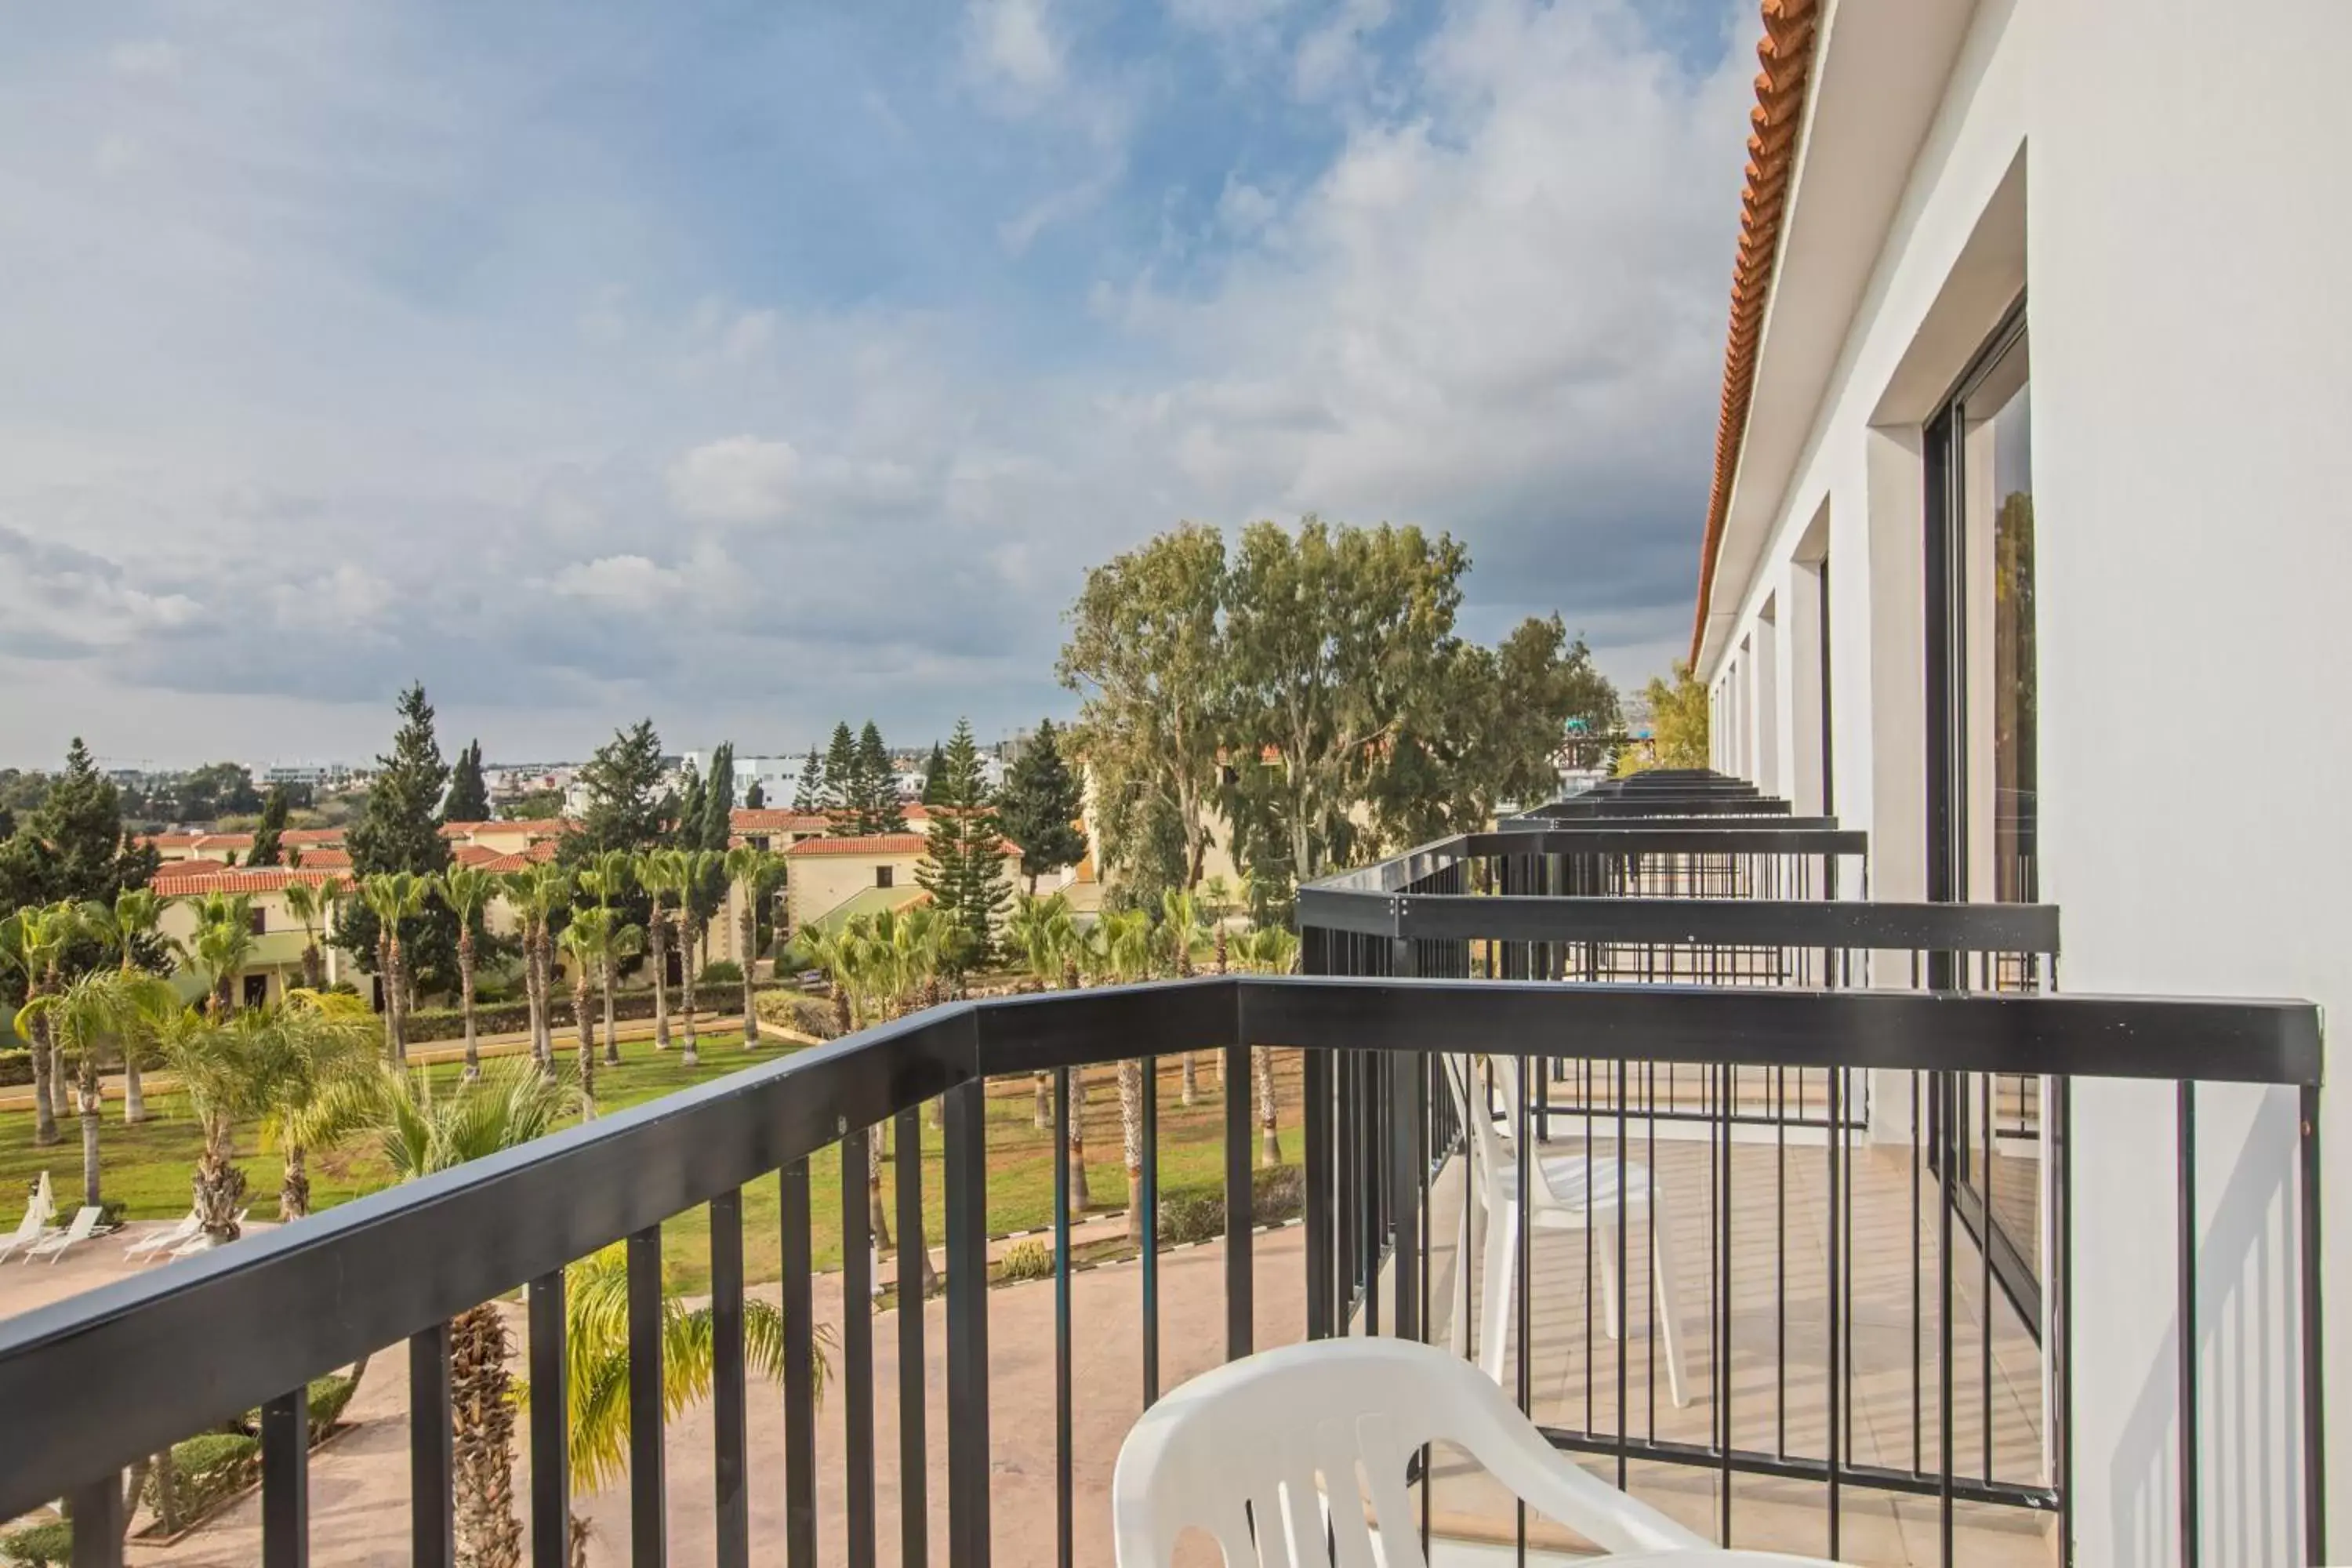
[469,794]
[963,856]
[269,837]
[629,806]
[72,845]
[1040,806]
[1678,722]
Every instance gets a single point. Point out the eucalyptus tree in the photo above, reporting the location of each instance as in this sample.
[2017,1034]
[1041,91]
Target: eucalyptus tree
[466,890]
[98,1013]
[134,920]
[757,872]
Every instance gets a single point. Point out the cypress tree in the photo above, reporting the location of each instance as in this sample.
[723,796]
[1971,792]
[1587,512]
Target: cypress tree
[469,794]
[964,857]
[269,838]
[717,820]
[755,798]
[73,845]
[933,772]
[842,802]
[877,793]
[1040,807]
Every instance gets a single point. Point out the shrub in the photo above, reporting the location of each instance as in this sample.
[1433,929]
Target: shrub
[801,1013]
[427,1024]
[327,1396]
[208,1468]
[1192,1213]
[15,1067]
[39,1545]
[722,972]
[1029,1260]
[1277,1192]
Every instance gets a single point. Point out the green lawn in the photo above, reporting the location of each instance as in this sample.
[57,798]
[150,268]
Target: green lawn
[147,1168]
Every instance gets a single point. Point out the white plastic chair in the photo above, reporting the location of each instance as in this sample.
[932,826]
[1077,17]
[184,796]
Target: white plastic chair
[1249,1454]
[158,1240]
[53,1246]
[1569,1192]
[201,1241]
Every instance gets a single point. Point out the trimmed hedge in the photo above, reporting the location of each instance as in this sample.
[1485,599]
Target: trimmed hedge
[17,1064]
[1196,1211]
[207,1469]
[47,1545]
[429,1024]
[722,972]
[788,1007]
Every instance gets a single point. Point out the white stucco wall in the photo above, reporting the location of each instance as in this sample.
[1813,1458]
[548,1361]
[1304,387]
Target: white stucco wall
[2179,169]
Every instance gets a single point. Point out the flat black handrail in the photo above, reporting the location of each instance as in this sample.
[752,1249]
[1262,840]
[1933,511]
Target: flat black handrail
[1703,835]
[1694,805]
[128,1368]
[1843,925]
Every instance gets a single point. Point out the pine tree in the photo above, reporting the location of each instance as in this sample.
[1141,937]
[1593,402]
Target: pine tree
[470,795]
[72,844]
[878,788]
[808,794]
[269,838]
[963,859]
[627,806]
[1041,805]
[933,773]
[842,802]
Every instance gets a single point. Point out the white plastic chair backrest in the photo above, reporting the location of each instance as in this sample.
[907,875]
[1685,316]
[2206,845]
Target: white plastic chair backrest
[1489,1156]
[1262,1453]
[85,1220]
[30,1225]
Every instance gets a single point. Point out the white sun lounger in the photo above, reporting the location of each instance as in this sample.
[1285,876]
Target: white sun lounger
[53,1246]
[200,1241]
[28,1230]
[157,1240]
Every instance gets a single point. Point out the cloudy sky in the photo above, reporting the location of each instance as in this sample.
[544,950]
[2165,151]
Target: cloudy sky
[749,365]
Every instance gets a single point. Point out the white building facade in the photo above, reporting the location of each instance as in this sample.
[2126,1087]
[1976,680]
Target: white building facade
[2028,516]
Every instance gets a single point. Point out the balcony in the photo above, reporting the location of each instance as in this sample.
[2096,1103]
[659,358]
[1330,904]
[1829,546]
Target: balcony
[1859,1112]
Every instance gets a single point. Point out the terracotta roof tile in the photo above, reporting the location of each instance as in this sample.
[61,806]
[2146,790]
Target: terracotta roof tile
[871,844]
[172,883]
[324,858]
[1786,53]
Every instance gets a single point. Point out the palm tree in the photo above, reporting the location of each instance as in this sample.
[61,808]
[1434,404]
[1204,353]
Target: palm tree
[697,868]
[466,889]
[310,904]
[1126,938]
[396,896]
[608,879]
[33,942]
[537,894]
[223,1061]
[418,1136]
[597,1355]
[135,917]
[1272,949]
[814,947]
[322,1040]
[659,874]
[583,942]
[756,871]
[223,944]
[1037,931]
[1185,932]
[102,1010]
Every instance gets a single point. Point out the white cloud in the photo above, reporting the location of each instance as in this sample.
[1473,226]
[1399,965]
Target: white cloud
[1336,59]
[1013,41]
[1242,208]
[619,582]
[149,58]
[1019,232]
[742,479]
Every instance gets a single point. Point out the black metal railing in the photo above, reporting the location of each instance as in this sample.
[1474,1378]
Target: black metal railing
[129,1368]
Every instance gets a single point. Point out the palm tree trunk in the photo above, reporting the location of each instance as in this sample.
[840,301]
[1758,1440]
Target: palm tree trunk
[45,1115]
[1224,957]
[482,1416]
[693,1039]
[1192,1089]
[750,935]
[657,939]
[313,965]
[1081,1199]
[397,995]
[466,1000]
[388,980]
[611,1036]
[294,1189]
[90,1104]
[587,1041]
[1041,1114]
[134,1095]
[877,1213]
[542,982]
[1131,1132]
[219,1186]
[1269,1152]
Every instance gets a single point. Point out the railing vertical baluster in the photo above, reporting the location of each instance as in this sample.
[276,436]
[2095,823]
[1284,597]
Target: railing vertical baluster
[857,1348]
[98,1523]
[2062,1330]
[1317,1189]
[729,1401]
[1150,1189]
[2191,1542]
[285,1480]
[800,1366]
[1065,1503]
[1523,1316]
[648,1527]
[1651,1305]
[1840,1264]
[1725,1084]
[966,1177]
[1240,1215]
[551,1456]
[914,1451]
[432,1514]
[2315,1403]
[1404,1128]
[1946,1094]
